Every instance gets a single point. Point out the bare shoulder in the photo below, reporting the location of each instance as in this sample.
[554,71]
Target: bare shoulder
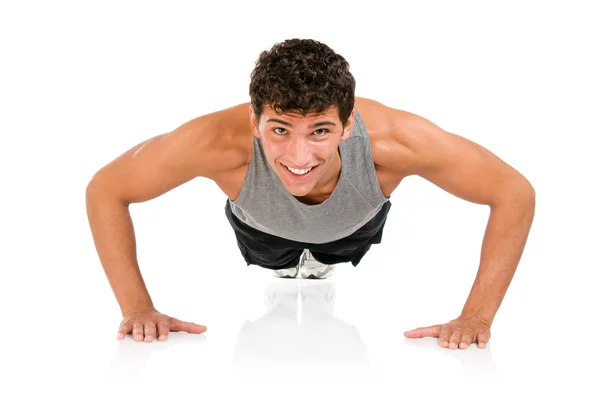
[218,141]
[396,135]
[408,144]
[212,146]
[232,145]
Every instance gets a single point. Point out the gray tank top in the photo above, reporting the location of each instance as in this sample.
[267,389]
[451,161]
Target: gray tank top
[266,205]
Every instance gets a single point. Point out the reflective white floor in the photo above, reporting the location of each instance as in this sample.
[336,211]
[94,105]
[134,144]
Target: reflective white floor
[267,335]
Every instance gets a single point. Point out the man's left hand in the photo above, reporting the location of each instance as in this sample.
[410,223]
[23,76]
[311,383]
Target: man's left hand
[459,333]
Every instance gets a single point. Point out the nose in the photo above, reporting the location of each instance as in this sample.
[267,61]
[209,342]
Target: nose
[299,152]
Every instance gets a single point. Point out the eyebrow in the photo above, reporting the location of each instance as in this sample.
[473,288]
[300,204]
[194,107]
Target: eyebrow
[325,123]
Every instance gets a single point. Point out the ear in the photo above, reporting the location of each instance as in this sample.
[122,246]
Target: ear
[253,123]
[348,129]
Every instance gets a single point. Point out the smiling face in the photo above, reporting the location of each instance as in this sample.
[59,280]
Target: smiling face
[302,150]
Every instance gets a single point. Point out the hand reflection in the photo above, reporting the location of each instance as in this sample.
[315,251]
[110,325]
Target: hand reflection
[478,363]
[128,365]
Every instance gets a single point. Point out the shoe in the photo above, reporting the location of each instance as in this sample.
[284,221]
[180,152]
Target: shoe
[312,269]
[287,272]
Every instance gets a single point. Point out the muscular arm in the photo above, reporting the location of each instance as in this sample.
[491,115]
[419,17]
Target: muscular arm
[197,148]
[473,173]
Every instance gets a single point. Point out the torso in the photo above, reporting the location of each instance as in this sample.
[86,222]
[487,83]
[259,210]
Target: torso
[231,182]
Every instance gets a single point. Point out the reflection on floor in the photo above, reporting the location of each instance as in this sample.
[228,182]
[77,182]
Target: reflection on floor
[299,332]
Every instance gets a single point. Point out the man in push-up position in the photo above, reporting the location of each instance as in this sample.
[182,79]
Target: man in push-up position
[308,170]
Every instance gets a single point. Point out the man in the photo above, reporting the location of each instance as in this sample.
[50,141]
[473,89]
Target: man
[308,170]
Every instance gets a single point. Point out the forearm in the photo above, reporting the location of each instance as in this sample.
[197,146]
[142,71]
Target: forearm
[503,244]
[114,238]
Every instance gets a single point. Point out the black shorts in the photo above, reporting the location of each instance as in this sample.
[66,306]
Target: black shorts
[273,252]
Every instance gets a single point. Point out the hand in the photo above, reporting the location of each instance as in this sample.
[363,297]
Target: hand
[460,333]
[147,323]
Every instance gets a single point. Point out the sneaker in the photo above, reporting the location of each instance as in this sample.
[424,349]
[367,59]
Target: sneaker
[312,269]
[287,272]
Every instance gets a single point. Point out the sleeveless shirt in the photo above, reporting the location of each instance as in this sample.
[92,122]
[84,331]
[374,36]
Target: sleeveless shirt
[266,205]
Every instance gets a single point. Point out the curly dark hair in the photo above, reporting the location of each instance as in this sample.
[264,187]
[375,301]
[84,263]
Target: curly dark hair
[303,76]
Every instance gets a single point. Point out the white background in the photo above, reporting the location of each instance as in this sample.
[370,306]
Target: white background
[82,82]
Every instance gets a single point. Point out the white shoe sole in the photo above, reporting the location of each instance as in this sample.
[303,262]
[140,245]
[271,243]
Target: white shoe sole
[290,273]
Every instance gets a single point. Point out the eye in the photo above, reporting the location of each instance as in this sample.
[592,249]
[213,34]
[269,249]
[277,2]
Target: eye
[278,128]
[325,131]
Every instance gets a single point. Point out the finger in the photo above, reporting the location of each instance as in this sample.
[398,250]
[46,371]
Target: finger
[188,327]
[466,341]
[430,331]
[482,340]
[124,329]
[444,337]
[149,331]
[163,329]
[454,340]
[138,331]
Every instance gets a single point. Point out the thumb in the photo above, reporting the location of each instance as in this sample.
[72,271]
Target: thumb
[430,331]
[189,327]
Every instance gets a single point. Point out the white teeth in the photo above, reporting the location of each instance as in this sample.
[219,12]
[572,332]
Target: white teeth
[299,171]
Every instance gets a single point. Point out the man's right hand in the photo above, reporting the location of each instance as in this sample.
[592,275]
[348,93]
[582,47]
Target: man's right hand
[146,325]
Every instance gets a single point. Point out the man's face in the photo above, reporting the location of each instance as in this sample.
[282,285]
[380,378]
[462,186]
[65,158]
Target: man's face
[306,144]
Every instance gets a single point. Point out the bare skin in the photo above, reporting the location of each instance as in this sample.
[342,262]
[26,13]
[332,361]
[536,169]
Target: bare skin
[402,144]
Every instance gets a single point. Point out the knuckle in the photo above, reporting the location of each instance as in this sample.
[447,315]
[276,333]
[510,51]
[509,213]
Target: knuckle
[163,327]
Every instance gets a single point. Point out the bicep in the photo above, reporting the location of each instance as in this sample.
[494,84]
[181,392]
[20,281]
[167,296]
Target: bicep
[159,164]
[460,166]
